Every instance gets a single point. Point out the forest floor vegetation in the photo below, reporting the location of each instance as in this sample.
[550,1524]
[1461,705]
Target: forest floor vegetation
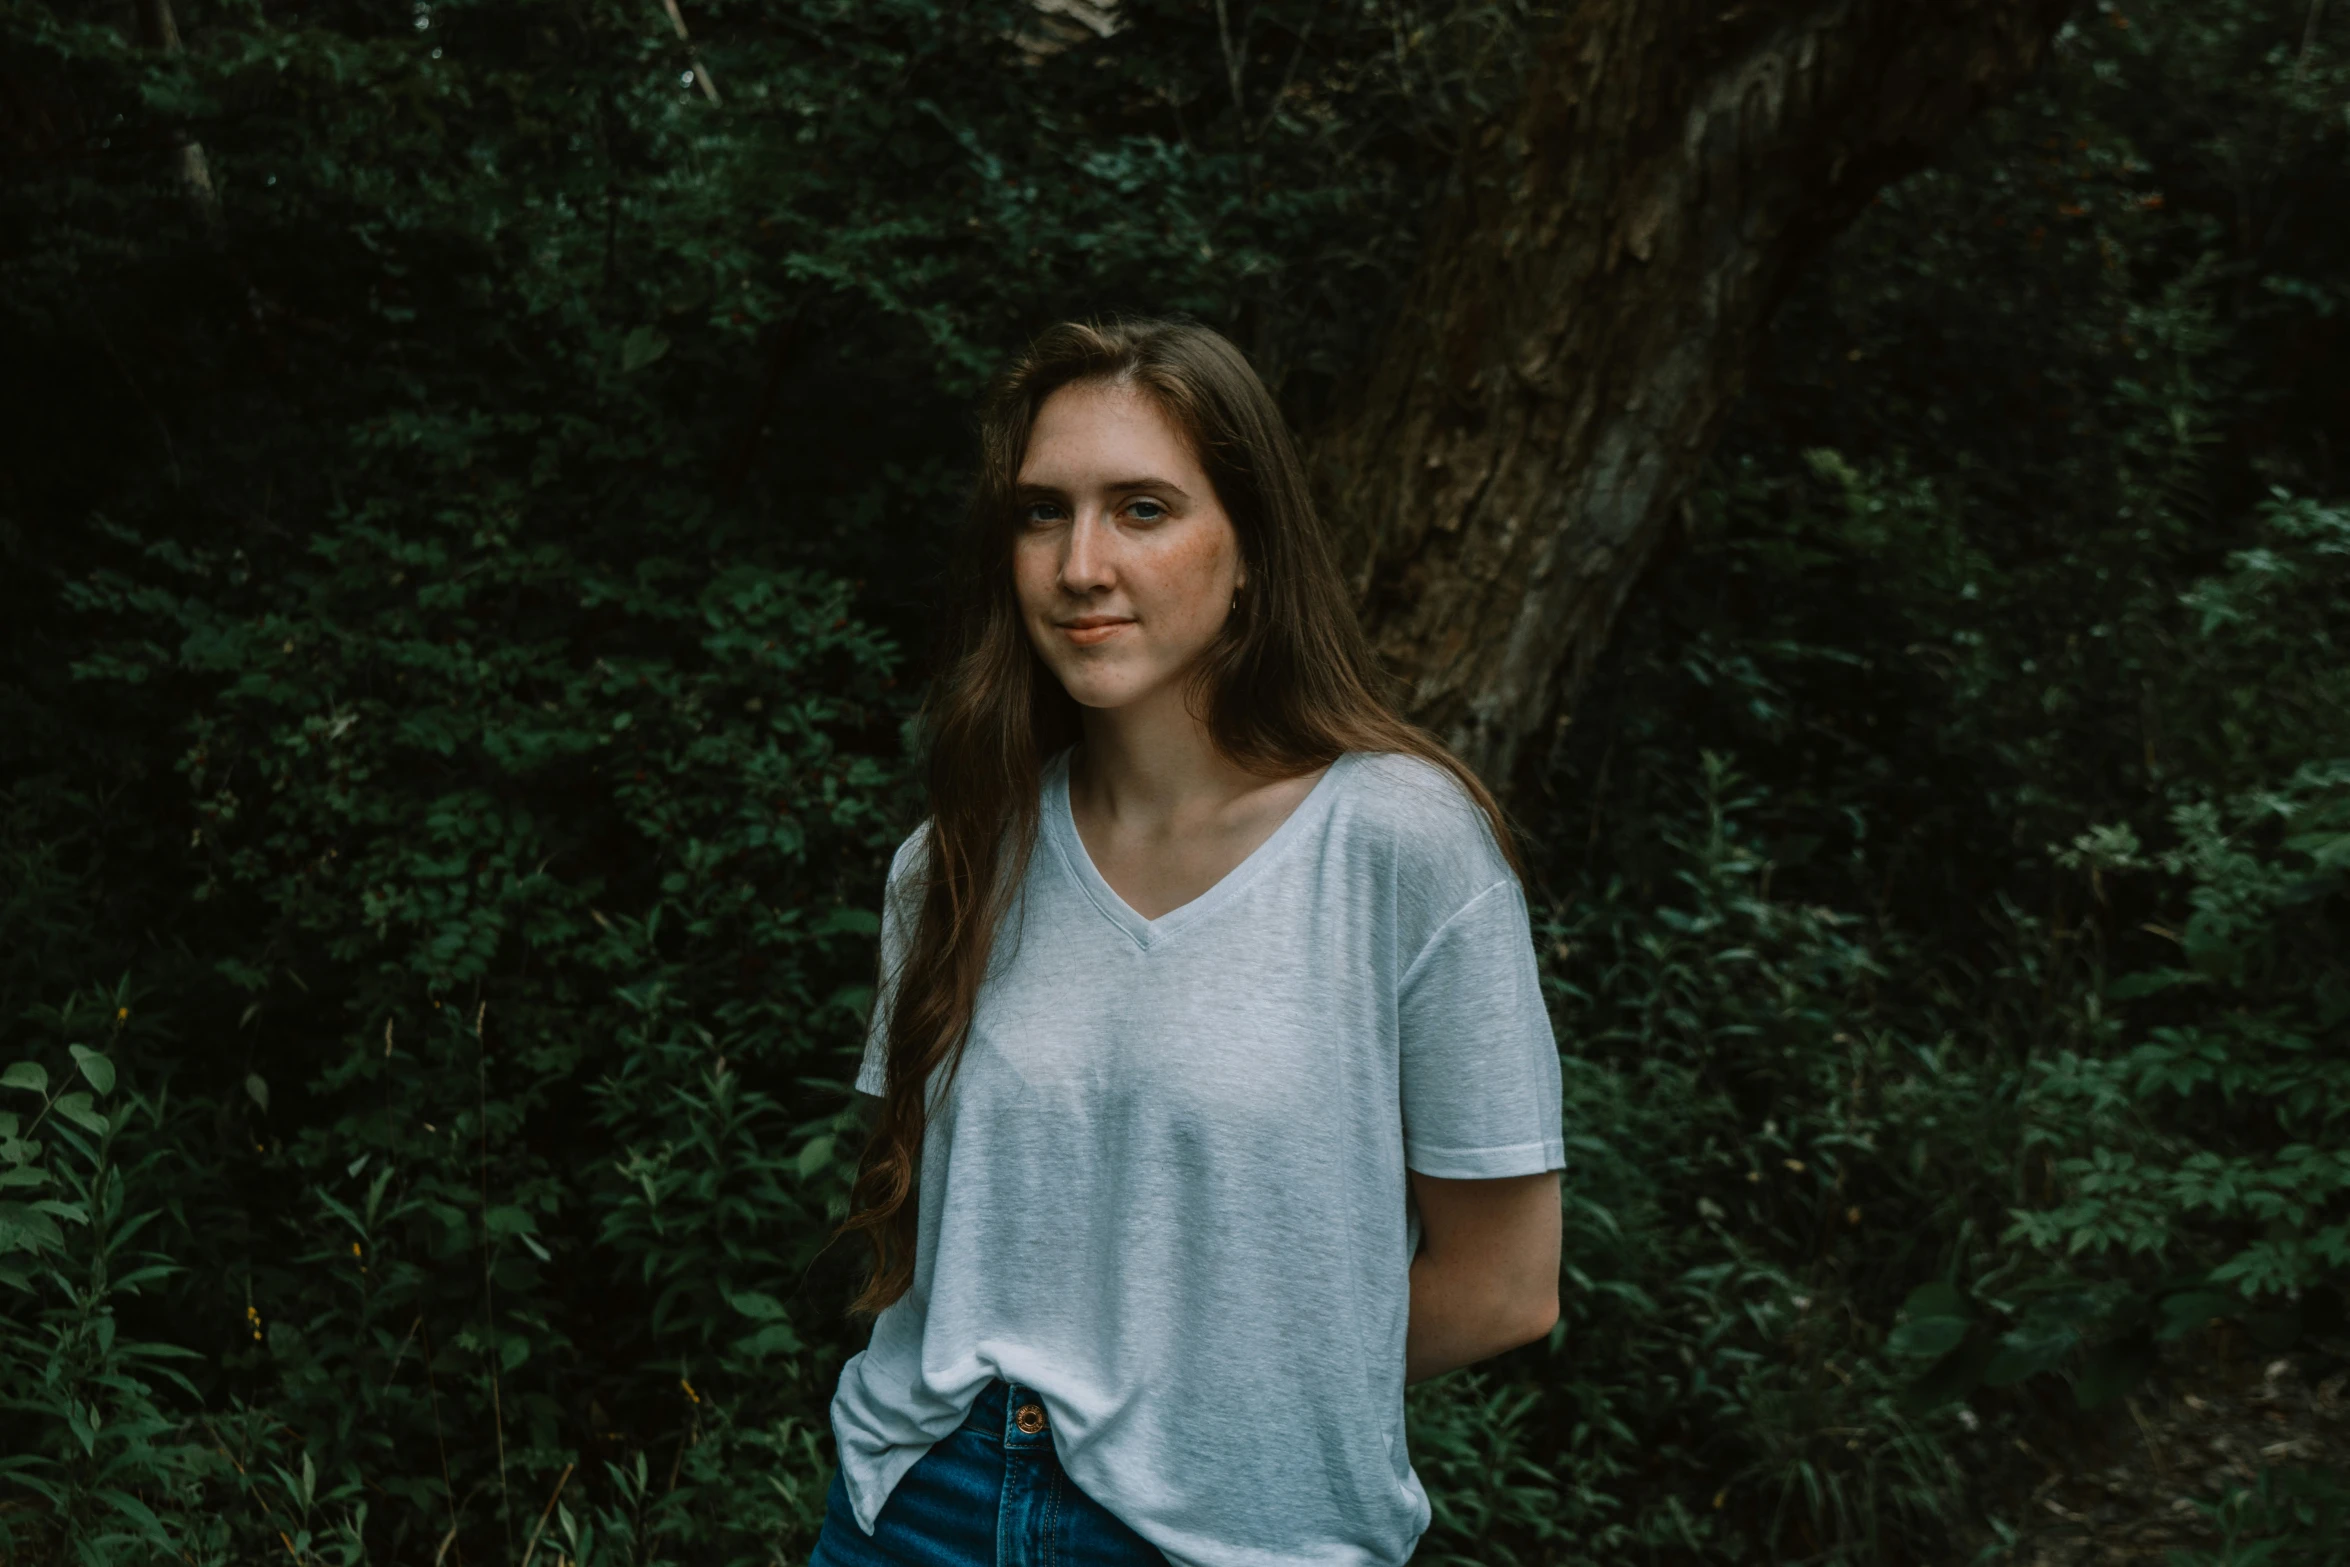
[2194,1468]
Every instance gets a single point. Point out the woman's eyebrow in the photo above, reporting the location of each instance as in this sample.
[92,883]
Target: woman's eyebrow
[1029,488]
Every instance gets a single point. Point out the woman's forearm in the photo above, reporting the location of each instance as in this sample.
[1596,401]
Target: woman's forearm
[1459,1317]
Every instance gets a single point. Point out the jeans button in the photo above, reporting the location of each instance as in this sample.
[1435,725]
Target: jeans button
[1029,1418]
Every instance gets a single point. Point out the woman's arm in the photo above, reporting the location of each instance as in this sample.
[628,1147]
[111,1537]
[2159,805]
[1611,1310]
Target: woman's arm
[1487,1276]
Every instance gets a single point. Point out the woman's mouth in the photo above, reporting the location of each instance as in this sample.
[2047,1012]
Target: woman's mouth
[1087,630]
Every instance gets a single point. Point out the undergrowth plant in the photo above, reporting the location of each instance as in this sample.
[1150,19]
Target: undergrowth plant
[89,1430]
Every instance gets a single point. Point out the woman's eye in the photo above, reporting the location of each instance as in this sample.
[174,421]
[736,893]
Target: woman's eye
[1146,511]
[1041,512]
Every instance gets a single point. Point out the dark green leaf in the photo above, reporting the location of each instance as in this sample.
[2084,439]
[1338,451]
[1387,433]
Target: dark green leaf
[643,347]
[2131,987]
[1952,1377]
[2183,1313]
[24,1228]
[777,1338]
[76,1108]
[2028,1352]
[95,1067]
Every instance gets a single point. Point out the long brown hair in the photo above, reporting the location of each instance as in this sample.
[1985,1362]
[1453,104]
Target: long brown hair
[1288,686]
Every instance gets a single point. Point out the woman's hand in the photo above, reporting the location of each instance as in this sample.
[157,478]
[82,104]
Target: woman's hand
[1487,1276]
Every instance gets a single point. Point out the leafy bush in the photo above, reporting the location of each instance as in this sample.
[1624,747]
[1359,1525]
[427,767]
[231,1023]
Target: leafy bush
[2287,1514]
[467,700]
[88,1402]
[1999,581]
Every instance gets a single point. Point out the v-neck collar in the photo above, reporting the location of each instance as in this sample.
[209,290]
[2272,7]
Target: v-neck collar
[1060,824]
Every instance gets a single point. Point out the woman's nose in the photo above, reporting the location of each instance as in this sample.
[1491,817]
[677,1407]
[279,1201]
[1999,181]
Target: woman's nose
[1085,566]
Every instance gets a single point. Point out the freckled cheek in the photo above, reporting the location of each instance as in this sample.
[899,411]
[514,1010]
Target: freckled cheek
[1186,577]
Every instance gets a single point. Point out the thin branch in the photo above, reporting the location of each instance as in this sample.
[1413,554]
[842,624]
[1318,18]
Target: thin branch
[489,1327]
[1288,75]
[401,1353]
[432,1393]
[546,1512]
[1233,63]
[693,56]
[2317,9]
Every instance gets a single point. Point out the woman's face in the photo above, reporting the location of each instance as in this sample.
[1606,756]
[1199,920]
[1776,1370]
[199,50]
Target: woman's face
[1125,561]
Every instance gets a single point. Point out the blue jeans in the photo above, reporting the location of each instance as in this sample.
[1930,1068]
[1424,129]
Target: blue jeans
[992,1494]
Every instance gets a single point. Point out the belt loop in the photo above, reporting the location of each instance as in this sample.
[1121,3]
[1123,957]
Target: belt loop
[990,1414]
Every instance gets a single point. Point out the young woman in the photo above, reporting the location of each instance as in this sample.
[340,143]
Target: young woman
[1218,1098]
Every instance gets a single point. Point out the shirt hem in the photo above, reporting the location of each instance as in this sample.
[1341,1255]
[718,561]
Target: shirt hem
[1486,1164]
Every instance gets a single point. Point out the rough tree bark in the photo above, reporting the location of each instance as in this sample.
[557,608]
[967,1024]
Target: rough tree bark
[1590,302]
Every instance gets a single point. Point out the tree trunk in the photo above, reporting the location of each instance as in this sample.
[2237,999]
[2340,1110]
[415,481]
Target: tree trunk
[1589,304]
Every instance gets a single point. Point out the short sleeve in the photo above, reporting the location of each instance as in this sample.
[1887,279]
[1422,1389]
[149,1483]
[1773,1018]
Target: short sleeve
[1479,1065]
[897,915]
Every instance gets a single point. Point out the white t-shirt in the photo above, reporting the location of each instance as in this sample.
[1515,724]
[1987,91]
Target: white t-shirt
[1167,1187]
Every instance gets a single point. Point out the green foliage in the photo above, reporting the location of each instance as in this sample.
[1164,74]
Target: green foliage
[104,1452]
[1493,1482]
[2286,1515]
[2188,1139]
[453,604]
[1741,1187]
[2226,1120]
[1966,794]
[516,887]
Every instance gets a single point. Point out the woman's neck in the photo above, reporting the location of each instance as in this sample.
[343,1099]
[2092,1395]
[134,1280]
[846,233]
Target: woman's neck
[1154,761]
